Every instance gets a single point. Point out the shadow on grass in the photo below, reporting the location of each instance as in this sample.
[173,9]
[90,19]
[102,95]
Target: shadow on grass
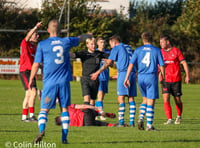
[125,142]
[9,114]
[15,131]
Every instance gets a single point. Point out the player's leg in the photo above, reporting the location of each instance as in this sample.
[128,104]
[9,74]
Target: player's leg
[85,90]
[152,95]
[121,110]
[179,109]
[89,117]
[65,120]
[150,114]
[176,88]
[122,91]
[48,101]
[143,105]
[132,111]
[102,90]
[142,112]
[65,101]
[167,106]
[86,99]
[33,93]
[100,97]
[132,94]
[93,89]
[25,106]
[25,79]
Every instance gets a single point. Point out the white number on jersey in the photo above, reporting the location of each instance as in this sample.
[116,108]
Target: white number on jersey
[59,54]
[146,59]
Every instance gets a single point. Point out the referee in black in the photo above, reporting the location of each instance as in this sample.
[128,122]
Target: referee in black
[90,63]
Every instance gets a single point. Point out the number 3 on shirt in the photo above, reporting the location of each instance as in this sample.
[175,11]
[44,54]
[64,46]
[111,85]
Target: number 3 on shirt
[146,59]
[59,54]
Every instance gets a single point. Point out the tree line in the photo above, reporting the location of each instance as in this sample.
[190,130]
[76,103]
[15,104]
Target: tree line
[180,19]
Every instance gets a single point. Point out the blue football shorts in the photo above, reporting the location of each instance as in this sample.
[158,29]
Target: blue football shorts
[51,93]
[103,86]
[122,90]
[148,84]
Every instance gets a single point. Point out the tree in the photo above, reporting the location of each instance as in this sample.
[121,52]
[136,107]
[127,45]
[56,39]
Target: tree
[12,17]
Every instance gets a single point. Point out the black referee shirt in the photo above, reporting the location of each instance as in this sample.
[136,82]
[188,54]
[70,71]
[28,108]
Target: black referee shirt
[90,61]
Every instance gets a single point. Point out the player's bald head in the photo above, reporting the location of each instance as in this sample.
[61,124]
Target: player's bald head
[54,26]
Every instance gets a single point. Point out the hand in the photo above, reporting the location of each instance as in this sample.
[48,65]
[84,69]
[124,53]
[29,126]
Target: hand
[164,85]
[126,83]
[39,24]
[187,79]
[94,76]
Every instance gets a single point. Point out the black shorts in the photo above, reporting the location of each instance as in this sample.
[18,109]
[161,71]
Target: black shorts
[89,118]
[89,87]
[173,88]
[24,76]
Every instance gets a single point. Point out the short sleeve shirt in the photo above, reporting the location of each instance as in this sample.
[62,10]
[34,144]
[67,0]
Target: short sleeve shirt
[172,59]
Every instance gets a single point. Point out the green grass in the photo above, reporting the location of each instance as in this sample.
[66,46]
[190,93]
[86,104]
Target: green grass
[186,135]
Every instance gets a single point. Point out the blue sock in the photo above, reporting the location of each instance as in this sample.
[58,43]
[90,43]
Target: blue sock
[132,110]
[99,104]
[142,111]
[65,125]
[150,115]
[121,112]
[42,120]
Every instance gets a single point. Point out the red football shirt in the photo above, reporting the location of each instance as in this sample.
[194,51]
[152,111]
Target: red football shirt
[27,54]
[76,116]
[172,59]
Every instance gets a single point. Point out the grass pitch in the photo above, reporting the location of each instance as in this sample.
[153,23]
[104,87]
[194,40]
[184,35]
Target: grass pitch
[16,134]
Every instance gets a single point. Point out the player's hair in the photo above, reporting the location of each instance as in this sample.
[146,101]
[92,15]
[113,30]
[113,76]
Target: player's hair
[115,38]
[90,39]
[147,37]
[100,38]
[165,37]
[54,26]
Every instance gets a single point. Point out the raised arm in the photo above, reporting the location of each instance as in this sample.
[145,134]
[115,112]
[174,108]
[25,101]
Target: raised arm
[83,37]
[30,33]
[185,66]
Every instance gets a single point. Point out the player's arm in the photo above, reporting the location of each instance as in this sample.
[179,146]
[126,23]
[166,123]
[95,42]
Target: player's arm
[33,73]
[126,80]
[30,33]
[83,37]
[84,106]
[162,70]
[103,67]
[185,66]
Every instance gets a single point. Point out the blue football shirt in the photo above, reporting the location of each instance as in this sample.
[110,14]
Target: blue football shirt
[104,76]
[54,54]
[121,54]
[147,58]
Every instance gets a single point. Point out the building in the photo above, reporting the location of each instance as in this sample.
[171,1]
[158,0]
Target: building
[27,4]
[121,6]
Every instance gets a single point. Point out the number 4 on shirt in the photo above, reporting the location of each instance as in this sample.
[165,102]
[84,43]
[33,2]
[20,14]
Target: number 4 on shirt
[146,59]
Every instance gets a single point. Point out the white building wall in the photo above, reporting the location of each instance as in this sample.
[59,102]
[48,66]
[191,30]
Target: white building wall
[27,4]
[121,6]
[115,5]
